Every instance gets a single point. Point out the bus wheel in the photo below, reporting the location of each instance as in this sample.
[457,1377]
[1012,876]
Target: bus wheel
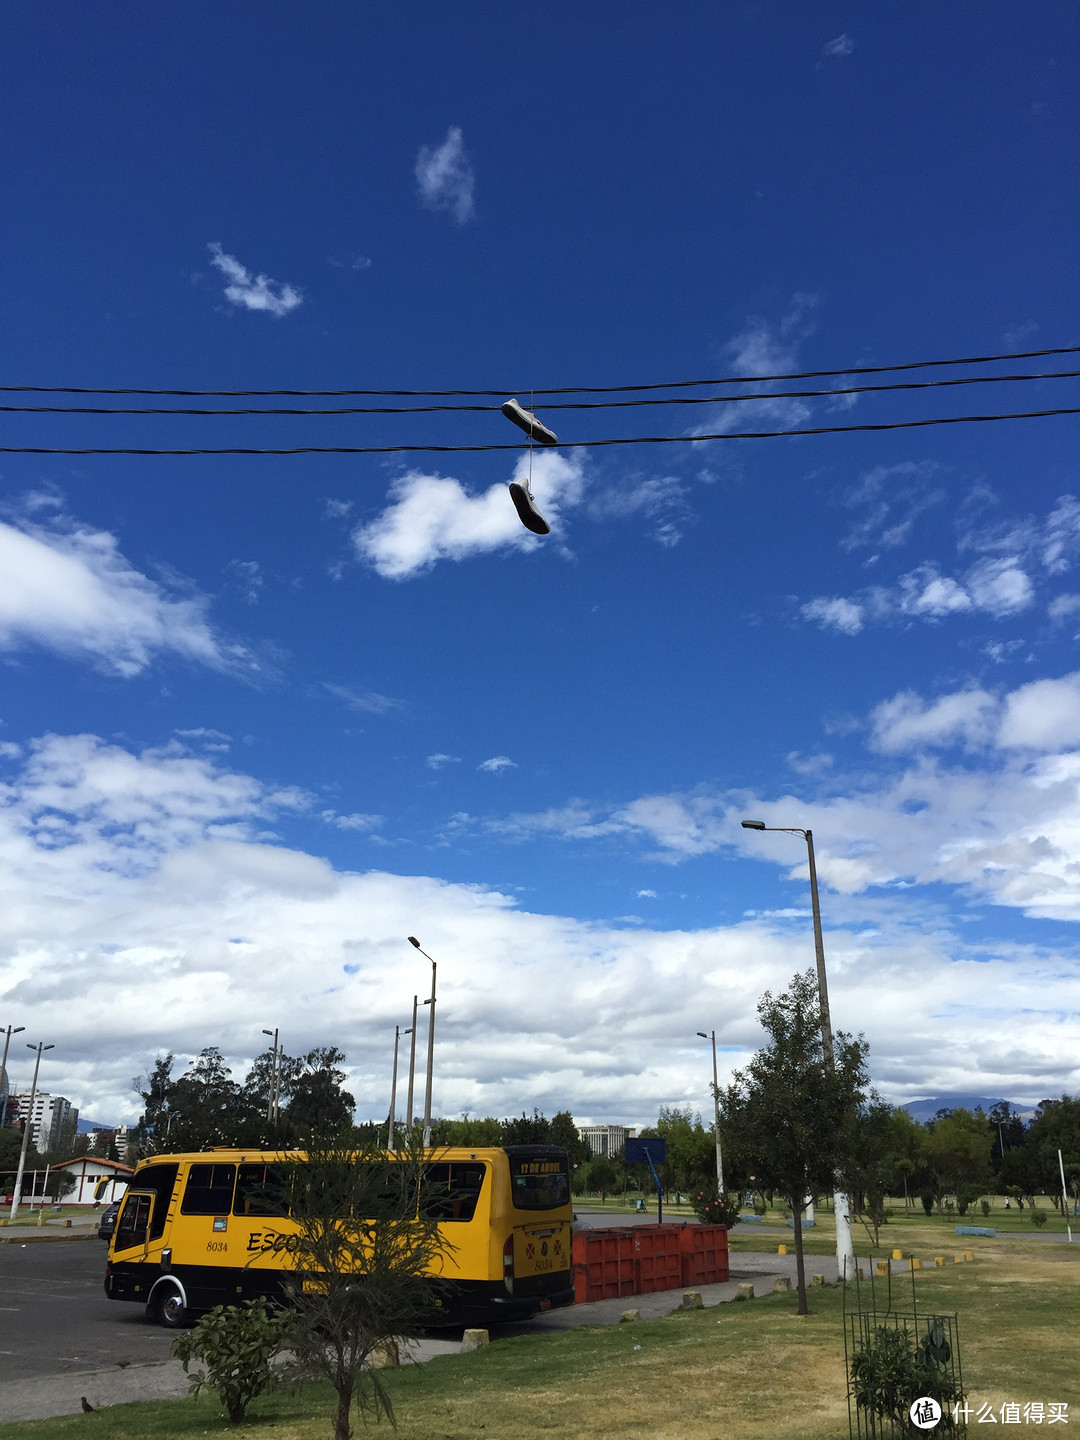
[168,1308]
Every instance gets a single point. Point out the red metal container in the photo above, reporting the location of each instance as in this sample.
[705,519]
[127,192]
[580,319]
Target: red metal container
[704,1254]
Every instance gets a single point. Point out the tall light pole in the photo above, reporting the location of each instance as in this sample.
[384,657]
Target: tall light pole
[412,1063]
[5,1089]
[39,1047]
[393,1092]
[716,1104]
[845,1253]
[430,1043]
[275,1077]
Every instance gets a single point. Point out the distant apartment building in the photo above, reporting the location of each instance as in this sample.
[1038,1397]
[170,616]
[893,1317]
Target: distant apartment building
[102,1137]
[52,1121]
[606,1140]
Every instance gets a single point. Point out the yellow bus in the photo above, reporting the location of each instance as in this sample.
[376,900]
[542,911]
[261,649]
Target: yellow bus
[199,1230]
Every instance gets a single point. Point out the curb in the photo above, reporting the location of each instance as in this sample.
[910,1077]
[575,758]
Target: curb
[45,1239]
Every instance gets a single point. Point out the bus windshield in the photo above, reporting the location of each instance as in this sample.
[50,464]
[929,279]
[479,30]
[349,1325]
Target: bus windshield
[539,1182]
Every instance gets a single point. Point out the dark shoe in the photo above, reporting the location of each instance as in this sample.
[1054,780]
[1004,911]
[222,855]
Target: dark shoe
[525,506]
[529,423]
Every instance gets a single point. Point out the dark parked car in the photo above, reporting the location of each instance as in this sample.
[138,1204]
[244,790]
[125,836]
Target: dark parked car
[108,1220]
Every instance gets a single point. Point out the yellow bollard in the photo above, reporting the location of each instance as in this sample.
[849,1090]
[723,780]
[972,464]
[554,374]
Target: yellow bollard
[958,1259]
[916,1264]
[969,1254]
[939,1260]
[781,1249]
[883,1267]
[898,1254]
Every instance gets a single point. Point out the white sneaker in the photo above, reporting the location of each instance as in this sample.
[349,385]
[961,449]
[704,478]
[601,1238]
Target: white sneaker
[529,423]
[525,506]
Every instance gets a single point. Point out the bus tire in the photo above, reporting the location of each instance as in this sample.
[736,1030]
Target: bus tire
[168,1308]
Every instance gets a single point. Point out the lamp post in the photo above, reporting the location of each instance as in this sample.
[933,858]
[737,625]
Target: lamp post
[412,1062]
[845,1253]
[716,1105]
[393,1092]
[5,1089]
[275,1078]
[39,1047]
[430,1043]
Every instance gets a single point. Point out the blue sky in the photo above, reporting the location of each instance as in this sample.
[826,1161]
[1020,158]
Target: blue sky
[263,717]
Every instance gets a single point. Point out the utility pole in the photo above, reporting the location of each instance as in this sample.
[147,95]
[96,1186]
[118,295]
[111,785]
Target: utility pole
[40,1047]
[5,1093]
[410,1117]
[716,1107]
[393,1092]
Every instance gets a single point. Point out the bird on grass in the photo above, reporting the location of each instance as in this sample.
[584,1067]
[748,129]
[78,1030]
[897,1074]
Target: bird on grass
[87,1407]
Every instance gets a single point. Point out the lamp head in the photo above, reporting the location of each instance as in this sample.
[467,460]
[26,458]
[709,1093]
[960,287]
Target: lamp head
[702,1034]
[268,1032]
[413,941]
[753,824]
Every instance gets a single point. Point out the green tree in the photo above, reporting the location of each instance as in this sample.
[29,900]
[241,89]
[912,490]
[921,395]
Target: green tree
[601,1175]
[957,1151]
[317,1101]
[527,1130]
[1056,1125]
[565,1133]
[794,1116]
[363,1263]
[481,1133]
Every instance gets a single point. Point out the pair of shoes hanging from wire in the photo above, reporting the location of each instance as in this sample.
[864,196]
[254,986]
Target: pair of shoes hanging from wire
[521,490]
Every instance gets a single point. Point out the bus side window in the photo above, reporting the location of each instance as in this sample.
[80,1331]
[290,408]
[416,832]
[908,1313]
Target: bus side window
[134,1219]
[261,1190]
[450,1191]
[209,1190]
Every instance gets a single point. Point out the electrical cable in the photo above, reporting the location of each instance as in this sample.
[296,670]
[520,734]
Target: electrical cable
[557,405]
[562,390]
[563,445]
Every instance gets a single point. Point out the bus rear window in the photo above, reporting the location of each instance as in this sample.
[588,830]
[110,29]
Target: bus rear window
[209,1190]
[450,1191]
[540,1182]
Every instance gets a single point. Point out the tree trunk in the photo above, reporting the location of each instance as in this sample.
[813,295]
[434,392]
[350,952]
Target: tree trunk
[800,1269]
[342,1428]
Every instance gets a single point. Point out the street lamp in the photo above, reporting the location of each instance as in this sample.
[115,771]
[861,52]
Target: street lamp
[844,1250]
[4,1088]
[272,1106]
[716,1104]
[39,1047]
[430,1042]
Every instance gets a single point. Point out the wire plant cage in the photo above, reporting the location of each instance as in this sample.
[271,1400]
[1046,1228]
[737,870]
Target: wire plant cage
[895,1355]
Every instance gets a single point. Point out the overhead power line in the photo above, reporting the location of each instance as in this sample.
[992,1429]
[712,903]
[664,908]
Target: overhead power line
[561,390]
[557,405]
[567,445]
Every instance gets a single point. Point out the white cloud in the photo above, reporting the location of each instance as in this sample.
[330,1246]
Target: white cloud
[445,178]
[65,587]
[834,614]
[1000,587]
[432,517]
[762,348]
[148,889]
[907,723]
[661,499]
[497,763]
[1044,715]
[436,762]
[646,895]
[841,46]
[247,577]
[924,592]
[352,822]
[364,702]
[253,292]
[890,499]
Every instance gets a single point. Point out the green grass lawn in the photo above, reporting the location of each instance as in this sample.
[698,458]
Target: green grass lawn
[754,1370]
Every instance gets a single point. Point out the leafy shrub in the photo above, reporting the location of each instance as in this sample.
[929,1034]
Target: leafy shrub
[888,1374]
[237,1345]
[712,1208]
[1038,1218]
[984,1206]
